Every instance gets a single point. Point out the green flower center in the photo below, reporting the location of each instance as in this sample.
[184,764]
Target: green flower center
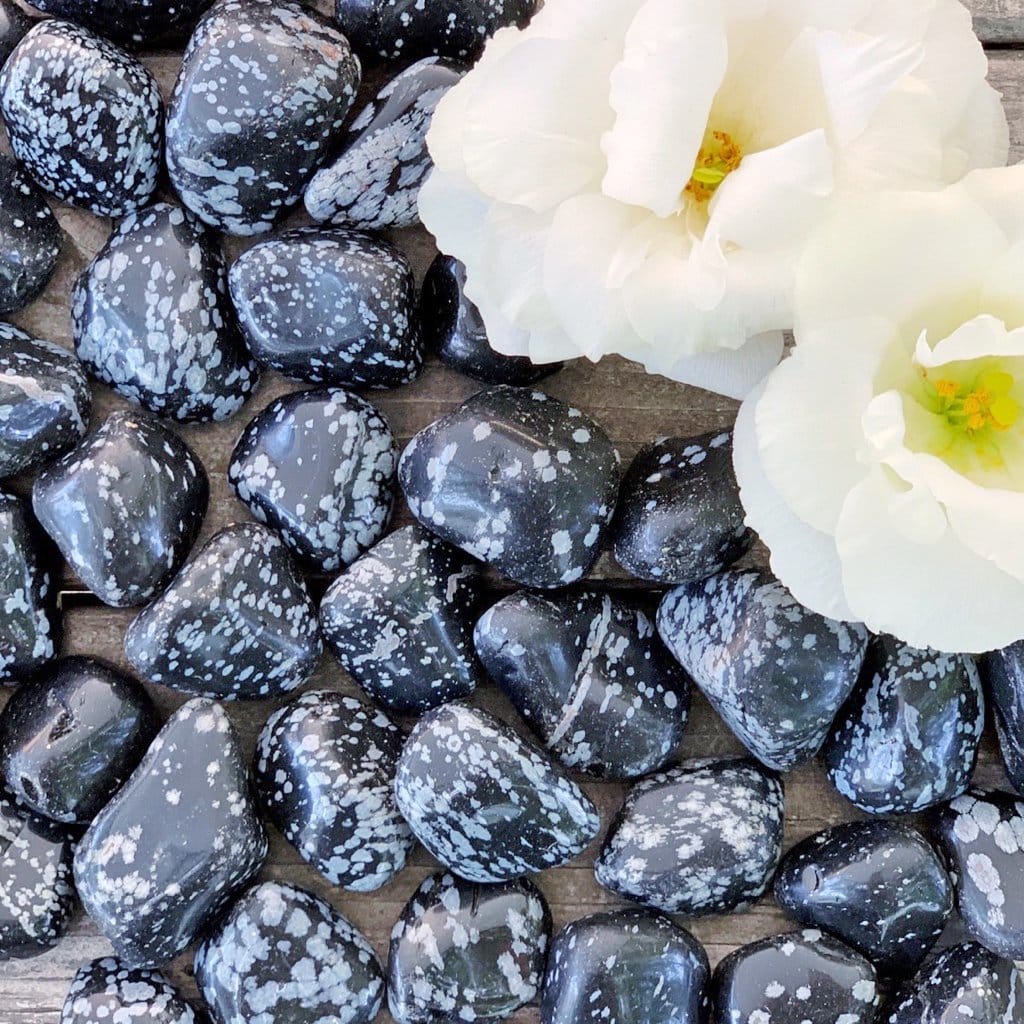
[983,404]
[717,159]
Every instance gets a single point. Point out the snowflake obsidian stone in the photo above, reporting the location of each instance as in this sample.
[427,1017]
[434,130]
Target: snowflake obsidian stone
[105,991]
[139,22]
[1003,674]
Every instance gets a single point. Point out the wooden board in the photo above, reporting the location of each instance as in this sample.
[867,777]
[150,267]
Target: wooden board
[633,407]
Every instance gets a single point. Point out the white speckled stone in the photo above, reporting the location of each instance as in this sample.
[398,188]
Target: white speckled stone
[135,22]
[1003,676]
[105,991]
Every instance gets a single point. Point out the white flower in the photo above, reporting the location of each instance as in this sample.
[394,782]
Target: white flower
[639,176]
[883,461]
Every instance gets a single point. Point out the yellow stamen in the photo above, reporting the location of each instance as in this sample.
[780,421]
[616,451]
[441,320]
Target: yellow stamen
[717,159]
[985,404]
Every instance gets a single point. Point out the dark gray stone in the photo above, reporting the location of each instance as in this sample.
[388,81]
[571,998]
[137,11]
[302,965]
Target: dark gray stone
[30,237]
[1003,675]
[105,991]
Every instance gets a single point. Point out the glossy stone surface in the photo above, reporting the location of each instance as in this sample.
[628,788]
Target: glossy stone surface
[680,518]
[409,29]
[519,480]
[965,984]
[400,622]
[236,622]
[152,318]
[453,328]
[135,22]
[485,803]
[982,837]
[84,117]
[71,735]
[37,896]
[14,23]
[105,991]
[625,967]
[318,467]
[375,181]
[30,237]
[877,885]
[702,838]
[590,677]
[462,951]
[1003,675]
[797,978]
[908,738]
[283,954]
[280,80]
[331,306]
[325,771]
[44,401]
[776,672]
[124,507]
[176,844]
[30,624]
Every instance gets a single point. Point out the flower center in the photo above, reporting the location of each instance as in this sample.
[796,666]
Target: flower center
[984,404]
[717,159]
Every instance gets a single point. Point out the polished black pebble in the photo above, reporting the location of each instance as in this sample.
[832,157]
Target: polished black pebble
[325,772]
[776,672]
[877,885]
[701,838]
[400,622]
[236,623]
[14,23]
[105,991]
[71,735]
[519,480]
[30,237]
[84,117]
[487,804]
[152,318]
[30,624]
[797,978]
[176,844]
[37,895]
[375,181]
[124,507]
[680,518]
[263,90]
[1003,675]
[590,677]
[965,984]
[283,954]
[981,835]
[453,328]
[625,967]
[463,951]
[134,22]
[44,401]
[318,467]
[908,737]
[331,306]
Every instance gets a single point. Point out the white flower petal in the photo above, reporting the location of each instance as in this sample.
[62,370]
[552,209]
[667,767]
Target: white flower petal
[454,214]
[982,336]
[733,373]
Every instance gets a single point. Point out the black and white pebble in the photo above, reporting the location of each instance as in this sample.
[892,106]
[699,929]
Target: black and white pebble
[37,895]
[84,117]
[263,90]
[330,306]
[124,507]
[702,838]
[236,623]
[625,967]
[375,181]
[130,22]
[152,318]
[453,328]
[908,737]
[775,671]
[325,771]
[44,401]
[1003,675]
[680,518]
[283,954]
[982,837]
[14,24]
[590,677]
[30,624]
[71,736]
[487,804]
[877,885]
[105,991]
[30,237]
[318,467]
[520,481]
[797,978]
[387,30]
[467,952]
[176,844]
[965,984]
[400,622]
